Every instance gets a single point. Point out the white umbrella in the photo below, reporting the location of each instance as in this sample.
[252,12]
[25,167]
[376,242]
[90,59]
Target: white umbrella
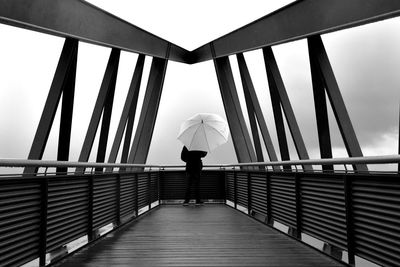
[204,132]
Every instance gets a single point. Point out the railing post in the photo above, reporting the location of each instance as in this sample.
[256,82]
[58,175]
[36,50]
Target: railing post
[43,221]
[225,196]
[235,188]
[297,188]
[149,189]
[136,195]
[349,219]
[90,210]
[249,208]
[118,198]
[160,176]
[269,204]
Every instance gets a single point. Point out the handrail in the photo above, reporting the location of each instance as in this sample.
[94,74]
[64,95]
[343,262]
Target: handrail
[55,163]
[335,161]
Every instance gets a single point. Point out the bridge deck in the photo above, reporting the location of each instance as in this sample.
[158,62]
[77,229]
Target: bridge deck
[209,235]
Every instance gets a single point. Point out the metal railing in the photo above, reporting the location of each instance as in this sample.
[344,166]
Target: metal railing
[357,213]
[388,159]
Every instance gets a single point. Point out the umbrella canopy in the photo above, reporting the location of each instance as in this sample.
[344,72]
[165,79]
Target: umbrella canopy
[204,132]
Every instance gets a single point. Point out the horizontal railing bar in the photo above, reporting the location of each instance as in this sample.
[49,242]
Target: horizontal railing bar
[71,164]
[335,161]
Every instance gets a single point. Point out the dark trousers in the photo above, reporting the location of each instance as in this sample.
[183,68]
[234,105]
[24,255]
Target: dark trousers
[192,182]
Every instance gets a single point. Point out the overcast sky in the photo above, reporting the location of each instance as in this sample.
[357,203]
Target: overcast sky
[365,60]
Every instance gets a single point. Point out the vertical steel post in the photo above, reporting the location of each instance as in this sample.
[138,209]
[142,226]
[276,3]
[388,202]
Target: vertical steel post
[279,93]
[225,194]
[398,165]
[118,199]
[235,188]
[348,197]
[249,207]
[63,83]
[268,193]
[297,188]
[144,132]
[90,230]
[240,135]
[107,85]
[160,176]
[149,189]
[44,183]
[319,58]
[136,194]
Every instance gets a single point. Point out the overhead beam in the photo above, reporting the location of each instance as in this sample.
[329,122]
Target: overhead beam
[296,21]
[86,22]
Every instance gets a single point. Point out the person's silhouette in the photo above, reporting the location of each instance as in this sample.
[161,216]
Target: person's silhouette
[194,166]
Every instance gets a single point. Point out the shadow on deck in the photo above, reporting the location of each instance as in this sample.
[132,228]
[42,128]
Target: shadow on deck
[209,235]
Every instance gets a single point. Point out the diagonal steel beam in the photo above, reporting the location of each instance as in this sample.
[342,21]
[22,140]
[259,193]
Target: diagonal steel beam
[144,132]
[254,127]
[107,111]
[63,82]
[86,22]
[321,111]
[252,101]
[128,113]
[240,135]
[296,21]
[321,60]
[279,88]
[278,117]
[107,85]
[67,106]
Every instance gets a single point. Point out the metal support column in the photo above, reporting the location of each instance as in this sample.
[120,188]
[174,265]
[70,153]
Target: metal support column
[278,92]
[319,59]
[103,106]
[240,135]
[255,112]
[64,138]
[321,111]
[144,132]
[63,83]
[128,115]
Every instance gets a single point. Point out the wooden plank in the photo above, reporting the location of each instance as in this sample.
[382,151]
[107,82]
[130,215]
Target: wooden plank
[209,235]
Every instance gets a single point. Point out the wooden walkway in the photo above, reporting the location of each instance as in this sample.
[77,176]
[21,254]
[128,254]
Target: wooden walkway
[209,235]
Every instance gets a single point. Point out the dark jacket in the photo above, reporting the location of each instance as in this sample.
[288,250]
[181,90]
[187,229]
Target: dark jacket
[193,159]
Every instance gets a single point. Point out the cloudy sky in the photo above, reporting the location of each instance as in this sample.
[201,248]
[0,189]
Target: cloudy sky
[365,60]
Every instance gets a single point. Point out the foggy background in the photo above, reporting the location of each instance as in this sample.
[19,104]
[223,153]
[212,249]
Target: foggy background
[365,60]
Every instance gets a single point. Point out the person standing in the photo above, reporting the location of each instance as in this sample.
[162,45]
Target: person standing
[194,165]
